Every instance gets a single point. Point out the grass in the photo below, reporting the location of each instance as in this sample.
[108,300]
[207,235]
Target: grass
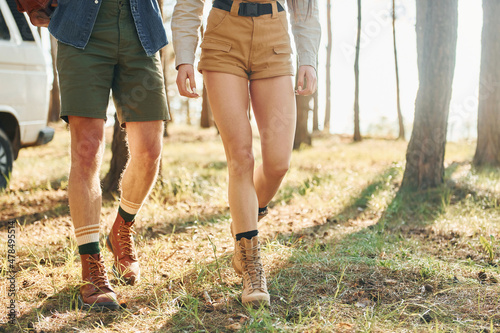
[345,250]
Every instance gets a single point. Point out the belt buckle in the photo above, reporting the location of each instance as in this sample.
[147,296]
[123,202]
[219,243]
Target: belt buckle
[251,9]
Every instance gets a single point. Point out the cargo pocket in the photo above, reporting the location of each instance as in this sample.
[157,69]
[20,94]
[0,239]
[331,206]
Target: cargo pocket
[214,44]
[282,49]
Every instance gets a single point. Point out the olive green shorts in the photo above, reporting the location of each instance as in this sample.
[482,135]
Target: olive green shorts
[113,59]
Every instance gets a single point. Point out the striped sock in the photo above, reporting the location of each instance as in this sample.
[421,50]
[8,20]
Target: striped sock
[87,238]
[128,209]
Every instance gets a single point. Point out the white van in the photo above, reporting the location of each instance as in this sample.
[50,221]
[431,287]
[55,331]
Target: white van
[24,88]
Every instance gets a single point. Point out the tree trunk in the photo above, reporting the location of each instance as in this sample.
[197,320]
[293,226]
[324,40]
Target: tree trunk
[302,135]
[55,101]
[488,124]
[357,133]
[436,27]
[328,107]
[206,120]
[315,112]
[111,181]
[401,134]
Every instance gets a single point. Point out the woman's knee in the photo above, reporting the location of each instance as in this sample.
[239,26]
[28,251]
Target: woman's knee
[276,169]
[240,161]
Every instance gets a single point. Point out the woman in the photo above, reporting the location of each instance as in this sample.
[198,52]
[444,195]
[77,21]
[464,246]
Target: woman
[246,48]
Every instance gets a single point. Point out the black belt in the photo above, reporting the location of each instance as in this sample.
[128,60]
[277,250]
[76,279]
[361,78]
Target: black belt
[248,8]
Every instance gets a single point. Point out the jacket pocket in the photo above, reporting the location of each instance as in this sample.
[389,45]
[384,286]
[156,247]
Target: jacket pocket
[282,49]
[215,44]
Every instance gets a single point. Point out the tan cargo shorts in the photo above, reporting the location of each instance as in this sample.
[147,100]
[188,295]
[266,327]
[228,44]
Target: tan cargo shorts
[250,47]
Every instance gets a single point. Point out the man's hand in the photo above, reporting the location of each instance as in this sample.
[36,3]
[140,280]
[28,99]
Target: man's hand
[306,80]
[185,81]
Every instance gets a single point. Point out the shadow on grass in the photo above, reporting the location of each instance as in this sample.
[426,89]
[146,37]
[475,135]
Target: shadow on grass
[58,306]
[314,276]
[59,208]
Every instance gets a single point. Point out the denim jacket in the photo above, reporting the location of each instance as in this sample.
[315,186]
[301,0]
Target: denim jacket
[73,20]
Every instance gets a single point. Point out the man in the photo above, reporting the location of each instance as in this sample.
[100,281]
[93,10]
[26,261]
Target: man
[103,45]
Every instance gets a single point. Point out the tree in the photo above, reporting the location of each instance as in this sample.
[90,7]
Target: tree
[436,28]
[315,112]
[357,133]
[206,120]
[488,124]
[302,135]
[119,158]
[328,107]
[398,104]
[55,101]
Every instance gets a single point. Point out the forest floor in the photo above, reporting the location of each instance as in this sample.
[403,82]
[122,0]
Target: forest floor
[344,250]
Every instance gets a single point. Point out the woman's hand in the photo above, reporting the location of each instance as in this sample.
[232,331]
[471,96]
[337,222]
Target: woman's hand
[306,80]
[185,79]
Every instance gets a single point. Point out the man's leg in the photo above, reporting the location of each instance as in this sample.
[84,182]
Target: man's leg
[84,193]
[145,144]
[84,190]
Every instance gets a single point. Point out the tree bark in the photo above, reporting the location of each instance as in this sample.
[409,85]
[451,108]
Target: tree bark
[302,135]
[357,133]
[488,124]
[436,27]
[119,158]
[315,112]
[328,106]
[55,101]
[206,120]
[401,134]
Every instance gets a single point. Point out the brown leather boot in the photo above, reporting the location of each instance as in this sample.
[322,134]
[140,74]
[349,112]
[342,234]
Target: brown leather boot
[96,293]
[254,281]
[121,244]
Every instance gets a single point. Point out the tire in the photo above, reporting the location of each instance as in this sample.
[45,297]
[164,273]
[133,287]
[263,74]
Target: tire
[6,159]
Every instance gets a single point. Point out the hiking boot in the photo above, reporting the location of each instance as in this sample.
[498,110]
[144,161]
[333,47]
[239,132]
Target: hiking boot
[236,261]
[96,293]
[121,244]
[254,281]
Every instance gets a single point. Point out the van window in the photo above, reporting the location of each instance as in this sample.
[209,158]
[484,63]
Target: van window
[4,31]
[21,22]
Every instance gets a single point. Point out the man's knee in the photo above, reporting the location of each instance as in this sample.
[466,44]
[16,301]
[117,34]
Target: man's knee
[87,152]
[148,153]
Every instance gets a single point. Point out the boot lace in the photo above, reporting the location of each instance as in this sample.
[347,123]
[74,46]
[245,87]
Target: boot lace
[97,272]
[125,233]
[253,273]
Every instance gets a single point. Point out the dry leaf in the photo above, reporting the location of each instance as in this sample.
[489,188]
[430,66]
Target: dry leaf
[235,326]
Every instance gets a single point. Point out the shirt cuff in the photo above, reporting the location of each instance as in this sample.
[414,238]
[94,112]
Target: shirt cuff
[184,58]
[308,59]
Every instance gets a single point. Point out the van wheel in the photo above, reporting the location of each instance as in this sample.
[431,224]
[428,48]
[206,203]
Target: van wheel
[6,159]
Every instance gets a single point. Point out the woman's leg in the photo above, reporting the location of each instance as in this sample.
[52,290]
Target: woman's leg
[273,103]
[228,96]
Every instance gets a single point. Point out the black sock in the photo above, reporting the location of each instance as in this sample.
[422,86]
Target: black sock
[89,248]
[262,210]
[126,216]
[248,235]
